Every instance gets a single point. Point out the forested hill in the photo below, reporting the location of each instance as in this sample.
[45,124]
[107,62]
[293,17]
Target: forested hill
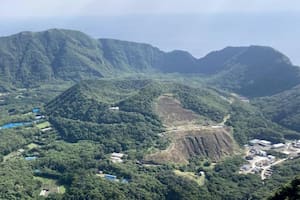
[290,191]
[283,108]
[251,71]
[29,59]
[89,105]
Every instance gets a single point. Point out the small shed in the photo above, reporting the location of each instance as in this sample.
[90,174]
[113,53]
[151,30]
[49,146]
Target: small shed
[110,177]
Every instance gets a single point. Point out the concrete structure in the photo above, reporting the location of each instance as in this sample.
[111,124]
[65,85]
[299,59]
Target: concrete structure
[46,129]
[21,150]
[116,160]
[260,142]
[117,157]
[272,158]
[217,126]
[37,117]
[278,146]
[264,143]
[44,192]
[296,144]
[258,152]
[114,108]
[254,141]
[245,167]
[110,177]
[30,158]
[36,110]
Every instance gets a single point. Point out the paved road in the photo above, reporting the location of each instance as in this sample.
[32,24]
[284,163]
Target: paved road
[263,177]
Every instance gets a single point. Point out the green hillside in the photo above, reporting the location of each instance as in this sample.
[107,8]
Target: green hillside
[252,71]
[29,59]
[85,111]
[283,108]
[91,103]
[290,191]
[87,127]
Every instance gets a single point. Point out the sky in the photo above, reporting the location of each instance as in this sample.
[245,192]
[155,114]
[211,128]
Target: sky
[197,26]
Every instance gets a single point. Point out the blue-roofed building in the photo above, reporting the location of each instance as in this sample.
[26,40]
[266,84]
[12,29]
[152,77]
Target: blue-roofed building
[14,125]
[37,171]
[110,177]
[30,158]
[36,110]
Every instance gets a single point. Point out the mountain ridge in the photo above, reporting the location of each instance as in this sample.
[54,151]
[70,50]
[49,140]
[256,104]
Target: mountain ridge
[32,58]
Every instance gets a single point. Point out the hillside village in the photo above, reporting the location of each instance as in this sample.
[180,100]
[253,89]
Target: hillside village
[262,155]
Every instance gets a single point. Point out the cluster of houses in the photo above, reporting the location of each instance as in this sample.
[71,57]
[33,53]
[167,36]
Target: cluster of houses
[258,157]
[39,117]
[266,144]
[268,172]
[115,158]
[36,112]
[258,163]
[296,144]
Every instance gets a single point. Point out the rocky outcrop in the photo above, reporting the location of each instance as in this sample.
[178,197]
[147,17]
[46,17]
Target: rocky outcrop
[205,142]
[210,144]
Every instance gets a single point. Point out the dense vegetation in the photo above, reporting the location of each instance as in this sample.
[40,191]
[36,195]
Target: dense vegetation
[282,108]
[248,122]
[202,101]
[28,59]
[253,71]
[87,131]
[290,191]
[94,118]
[83,112]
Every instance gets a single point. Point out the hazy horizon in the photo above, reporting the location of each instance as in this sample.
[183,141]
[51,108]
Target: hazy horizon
[198,27]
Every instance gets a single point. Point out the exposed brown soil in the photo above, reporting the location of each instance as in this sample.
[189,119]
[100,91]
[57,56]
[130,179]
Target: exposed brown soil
[171,112]
[188,138]
[203,142]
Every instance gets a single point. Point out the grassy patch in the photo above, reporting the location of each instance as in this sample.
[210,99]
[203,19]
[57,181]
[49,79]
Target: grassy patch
[51,185]
[32,146]
[11,155]
[43,125]
[61,189]
[200,180]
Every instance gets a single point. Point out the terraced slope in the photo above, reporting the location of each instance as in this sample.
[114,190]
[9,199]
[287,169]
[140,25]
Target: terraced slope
[190,134]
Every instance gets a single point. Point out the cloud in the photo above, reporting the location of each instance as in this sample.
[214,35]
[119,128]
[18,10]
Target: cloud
[75,8]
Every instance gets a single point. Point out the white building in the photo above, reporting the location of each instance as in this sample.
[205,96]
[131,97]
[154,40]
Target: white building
[297,144]
[217,126]
[117,157]
[46,129]
[254,141]
[264,143]
[278,146]
[114,108]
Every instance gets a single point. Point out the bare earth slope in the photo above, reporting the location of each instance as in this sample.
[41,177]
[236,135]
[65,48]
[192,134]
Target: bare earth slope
[188,137]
